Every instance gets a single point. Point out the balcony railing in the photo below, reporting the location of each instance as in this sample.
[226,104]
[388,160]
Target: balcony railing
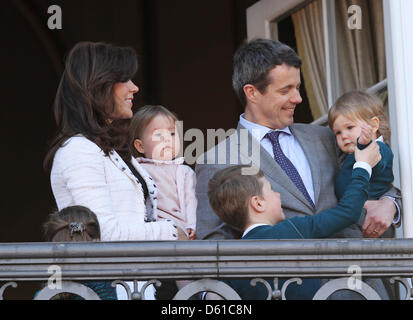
[208,262]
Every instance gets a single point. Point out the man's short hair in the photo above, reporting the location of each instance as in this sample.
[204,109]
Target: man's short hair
[254,60]
[229,192]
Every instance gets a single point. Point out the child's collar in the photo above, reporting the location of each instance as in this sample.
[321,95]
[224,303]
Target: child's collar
[174,161]
[254,226]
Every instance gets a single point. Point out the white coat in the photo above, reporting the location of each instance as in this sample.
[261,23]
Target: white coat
[82,175]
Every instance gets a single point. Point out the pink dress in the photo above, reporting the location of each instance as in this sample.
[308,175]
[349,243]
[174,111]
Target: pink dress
[175,182]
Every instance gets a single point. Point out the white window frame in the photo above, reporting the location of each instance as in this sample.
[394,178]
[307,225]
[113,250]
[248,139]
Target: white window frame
[261,15]
[398,24]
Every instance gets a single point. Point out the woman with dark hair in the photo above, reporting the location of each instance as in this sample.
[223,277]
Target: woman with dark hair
[90,160]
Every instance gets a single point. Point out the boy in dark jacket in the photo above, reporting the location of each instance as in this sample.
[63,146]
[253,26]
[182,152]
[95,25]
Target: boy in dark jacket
[247,203]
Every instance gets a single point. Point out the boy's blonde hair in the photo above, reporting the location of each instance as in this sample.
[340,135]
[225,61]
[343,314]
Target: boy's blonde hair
[140,121]
[359,105]
[229,192]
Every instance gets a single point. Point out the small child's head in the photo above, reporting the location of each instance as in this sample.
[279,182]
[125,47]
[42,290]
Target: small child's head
[75,223]
[242,200]
[154,134]
[352,109]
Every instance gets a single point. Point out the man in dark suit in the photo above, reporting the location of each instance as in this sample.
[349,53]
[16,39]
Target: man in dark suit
[267,80]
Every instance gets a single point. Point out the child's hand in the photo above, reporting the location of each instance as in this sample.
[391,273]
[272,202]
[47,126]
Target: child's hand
[181,234]
[366,134]
[370,154]
[191,233]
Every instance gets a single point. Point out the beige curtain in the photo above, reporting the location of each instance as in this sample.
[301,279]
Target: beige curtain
[308,28]
[361,53]
[379,46]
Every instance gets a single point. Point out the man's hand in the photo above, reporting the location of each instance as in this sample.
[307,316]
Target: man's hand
[379,217]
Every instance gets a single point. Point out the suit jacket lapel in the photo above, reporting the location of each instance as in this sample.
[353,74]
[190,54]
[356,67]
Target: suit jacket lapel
[311,150]
[269,166]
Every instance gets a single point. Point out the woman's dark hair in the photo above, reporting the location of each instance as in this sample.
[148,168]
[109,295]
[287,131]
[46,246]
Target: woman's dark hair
[75,223]
[84,100]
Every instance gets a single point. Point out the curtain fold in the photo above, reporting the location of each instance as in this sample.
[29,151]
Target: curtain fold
[377,20]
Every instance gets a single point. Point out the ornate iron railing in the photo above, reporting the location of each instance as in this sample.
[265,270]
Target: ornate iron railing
[205,263]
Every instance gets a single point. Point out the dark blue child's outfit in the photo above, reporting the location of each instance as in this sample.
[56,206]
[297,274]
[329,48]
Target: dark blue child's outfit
[381,177]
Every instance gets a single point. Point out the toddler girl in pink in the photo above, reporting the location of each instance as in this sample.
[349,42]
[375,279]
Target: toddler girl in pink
[155,143]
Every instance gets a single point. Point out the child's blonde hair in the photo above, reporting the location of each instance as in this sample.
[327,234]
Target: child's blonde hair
[140,121]
[358,105]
